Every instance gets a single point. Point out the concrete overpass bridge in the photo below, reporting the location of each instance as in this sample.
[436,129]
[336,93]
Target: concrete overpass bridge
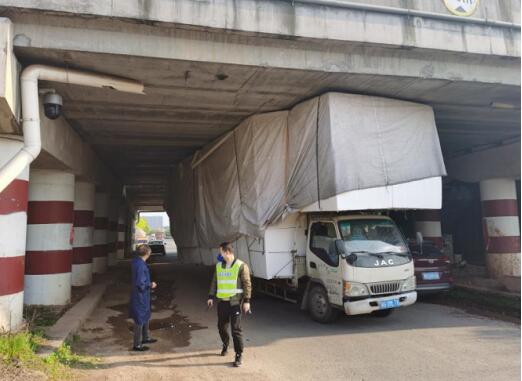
[207,65]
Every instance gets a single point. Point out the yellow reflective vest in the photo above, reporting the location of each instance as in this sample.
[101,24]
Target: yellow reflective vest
[227,280]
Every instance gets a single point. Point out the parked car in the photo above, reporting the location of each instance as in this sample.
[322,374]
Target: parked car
[432,267]
[157,247]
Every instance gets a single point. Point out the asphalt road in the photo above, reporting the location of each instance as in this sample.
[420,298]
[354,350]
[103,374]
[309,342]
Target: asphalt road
[422,342]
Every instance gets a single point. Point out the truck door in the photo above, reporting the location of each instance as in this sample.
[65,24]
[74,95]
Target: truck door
[323,261]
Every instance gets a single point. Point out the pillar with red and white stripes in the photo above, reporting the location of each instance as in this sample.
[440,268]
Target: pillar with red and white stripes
[120,246]
[501,227]
[83,233]
[101,226]
[48,260]
[114,204]
[13,225]
[427,222]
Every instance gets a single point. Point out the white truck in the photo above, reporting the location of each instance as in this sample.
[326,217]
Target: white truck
[356,263]
[342,260]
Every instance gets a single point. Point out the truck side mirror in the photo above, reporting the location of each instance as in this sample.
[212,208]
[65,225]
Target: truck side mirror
[340,248]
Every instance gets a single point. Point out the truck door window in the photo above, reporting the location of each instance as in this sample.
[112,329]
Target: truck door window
[322,242]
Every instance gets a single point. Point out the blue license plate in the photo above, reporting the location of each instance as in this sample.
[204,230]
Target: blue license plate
[431,276]
[393,303]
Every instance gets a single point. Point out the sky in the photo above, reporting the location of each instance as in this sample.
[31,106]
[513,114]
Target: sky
[166,221]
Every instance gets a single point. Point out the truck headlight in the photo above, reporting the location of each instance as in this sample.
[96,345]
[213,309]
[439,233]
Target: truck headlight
[409,284]
[355,289]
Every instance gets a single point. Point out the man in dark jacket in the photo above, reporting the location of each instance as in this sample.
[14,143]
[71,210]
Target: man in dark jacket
[140,309]
[232,287]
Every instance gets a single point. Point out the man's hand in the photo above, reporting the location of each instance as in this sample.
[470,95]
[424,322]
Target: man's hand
[210,303]
[153,285]
[246,307]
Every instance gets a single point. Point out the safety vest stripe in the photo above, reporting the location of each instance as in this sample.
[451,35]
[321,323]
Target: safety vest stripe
[227,281]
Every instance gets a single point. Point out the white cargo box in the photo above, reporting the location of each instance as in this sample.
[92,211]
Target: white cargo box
[272,256]
[420,194]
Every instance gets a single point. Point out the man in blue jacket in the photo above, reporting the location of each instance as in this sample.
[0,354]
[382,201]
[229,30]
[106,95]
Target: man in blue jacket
[140,309]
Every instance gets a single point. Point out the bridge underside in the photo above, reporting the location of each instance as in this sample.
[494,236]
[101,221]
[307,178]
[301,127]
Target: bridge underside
[190,103]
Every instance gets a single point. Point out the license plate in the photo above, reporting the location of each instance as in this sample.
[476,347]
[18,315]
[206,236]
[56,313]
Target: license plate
[431,276]
[393,303]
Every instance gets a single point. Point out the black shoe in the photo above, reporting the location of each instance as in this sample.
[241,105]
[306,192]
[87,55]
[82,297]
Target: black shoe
[224,351]
[238,362]
[150,340]
[140,348]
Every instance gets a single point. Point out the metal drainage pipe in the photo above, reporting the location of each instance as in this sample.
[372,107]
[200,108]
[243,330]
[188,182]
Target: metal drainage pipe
[31,113]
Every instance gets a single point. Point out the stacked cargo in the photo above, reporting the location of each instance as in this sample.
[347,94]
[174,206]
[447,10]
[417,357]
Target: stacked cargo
[334,151]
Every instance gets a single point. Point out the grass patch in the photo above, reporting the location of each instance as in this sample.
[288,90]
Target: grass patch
[18,350]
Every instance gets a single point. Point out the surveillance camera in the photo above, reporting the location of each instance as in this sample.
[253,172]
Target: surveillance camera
[52,105]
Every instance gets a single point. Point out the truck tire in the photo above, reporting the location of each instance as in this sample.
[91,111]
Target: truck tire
[382,313]
[319,307]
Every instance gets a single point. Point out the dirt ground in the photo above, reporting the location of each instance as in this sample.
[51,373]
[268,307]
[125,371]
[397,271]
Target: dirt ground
[424,342]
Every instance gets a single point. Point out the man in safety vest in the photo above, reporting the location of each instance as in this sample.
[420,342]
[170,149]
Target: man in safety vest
[232,287]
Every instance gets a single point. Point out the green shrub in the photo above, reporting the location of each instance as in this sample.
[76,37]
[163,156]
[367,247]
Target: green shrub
[19,350]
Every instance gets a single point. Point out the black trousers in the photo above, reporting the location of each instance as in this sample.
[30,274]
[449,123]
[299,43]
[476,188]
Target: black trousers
[141,332]
[232,314]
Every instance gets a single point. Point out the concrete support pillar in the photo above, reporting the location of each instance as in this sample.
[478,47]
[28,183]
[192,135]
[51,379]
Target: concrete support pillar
[83,233]
[114,206]
[48,261]
[428,223]
[13,226]
[101,225]
[501,227]
[120,246]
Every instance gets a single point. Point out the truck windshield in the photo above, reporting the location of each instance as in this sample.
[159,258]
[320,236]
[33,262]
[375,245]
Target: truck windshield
[379,236]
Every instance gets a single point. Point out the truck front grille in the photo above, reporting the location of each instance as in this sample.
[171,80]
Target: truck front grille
[385,287]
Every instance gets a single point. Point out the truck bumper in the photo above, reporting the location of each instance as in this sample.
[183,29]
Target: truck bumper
[369,305]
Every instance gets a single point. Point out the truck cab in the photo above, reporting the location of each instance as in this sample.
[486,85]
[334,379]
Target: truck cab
[359,264]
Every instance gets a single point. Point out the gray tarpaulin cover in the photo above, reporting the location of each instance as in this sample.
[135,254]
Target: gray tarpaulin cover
[280,162]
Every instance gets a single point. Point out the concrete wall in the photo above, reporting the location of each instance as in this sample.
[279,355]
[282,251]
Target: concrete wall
[492,163]
[9,84]
[315,21]
[63,147]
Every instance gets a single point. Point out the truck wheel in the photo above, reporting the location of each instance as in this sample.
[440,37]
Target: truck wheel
[382,313]
[320,308]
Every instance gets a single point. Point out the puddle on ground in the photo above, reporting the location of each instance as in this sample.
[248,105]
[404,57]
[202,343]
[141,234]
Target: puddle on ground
[175,329]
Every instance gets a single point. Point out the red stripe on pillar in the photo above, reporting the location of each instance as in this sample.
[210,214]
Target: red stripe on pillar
[113,225]
[50,212]
[503,245]
[499,208]
[11,275]
[428,215]
[99,251]
[48,262]
[14,197]
[121,228]
[120,245]
[101,223]
[82,255]
[83,218]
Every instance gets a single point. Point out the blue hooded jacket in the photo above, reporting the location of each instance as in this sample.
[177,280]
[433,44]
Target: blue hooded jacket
[140,309]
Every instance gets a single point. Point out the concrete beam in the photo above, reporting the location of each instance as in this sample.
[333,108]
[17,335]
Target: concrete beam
[496,162]
[119,38]
[319,20]
[9,84]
